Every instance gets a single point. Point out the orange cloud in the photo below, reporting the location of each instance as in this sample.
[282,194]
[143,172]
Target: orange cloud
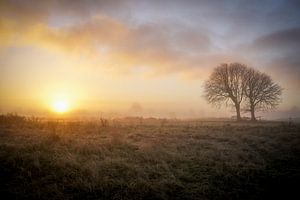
[152,46]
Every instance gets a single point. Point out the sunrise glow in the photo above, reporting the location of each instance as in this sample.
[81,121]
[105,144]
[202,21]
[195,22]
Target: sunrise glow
[60,106]
[132,58]
[140,99]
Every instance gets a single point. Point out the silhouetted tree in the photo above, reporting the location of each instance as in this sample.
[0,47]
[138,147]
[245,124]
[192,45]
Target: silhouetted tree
[227,85]
[261,92]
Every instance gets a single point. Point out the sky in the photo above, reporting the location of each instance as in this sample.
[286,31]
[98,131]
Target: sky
[141,58]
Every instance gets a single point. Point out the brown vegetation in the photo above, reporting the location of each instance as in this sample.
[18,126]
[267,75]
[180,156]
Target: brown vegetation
[147,159]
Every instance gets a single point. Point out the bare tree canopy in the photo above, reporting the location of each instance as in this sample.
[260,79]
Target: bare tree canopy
[261,92]
[226,85]
[236,84]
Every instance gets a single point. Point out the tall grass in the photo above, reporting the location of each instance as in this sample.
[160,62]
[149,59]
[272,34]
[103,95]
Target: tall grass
[154,159]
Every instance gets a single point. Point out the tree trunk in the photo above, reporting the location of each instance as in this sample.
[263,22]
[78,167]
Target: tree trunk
[238,112]
[252,110]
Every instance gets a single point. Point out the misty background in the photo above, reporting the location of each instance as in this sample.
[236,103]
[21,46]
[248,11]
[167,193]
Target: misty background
[142,58]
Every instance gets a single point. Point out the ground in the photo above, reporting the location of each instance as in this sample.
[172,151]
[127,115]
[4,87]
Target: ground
[148,159]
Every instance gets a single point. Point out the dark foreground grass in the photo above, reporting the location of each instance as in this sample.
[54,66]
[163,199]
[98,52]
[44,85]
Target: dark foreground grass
[203,160]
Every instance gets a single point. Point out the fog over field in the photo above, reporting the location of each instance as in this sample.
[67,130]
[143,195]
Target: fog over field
[108,56]
[140,99]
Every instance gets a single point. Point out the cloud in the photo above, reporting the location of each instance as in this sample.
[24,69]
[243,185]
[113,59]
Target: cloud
[155,39]
[278,52]
[32,10]
[188,38]
[158,47]
[284,40]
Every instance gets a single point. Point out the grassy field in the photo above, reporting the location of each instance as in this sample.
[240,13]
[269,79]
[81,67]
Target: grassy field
[148,159]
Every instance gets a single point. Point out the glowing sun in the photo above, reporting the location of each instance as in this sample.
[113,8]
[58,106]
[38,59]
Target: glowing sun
[60,106]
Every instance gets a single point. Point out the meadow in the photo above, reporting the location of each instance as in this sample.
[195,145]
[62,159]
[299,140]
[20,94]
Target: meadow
[137,158]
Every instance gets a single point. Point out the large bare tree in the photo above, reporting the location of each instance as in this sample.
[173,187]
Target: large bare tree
[227,85]
[261,92]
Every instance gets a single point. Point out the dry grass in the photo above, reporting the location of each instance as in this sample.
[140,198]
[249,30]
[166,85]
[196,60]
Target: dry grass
[147,159]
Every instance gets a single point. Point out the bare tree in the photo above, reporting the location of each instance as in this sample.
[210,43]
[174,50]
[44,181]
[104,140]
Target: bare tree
[227,85]
[261,92]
